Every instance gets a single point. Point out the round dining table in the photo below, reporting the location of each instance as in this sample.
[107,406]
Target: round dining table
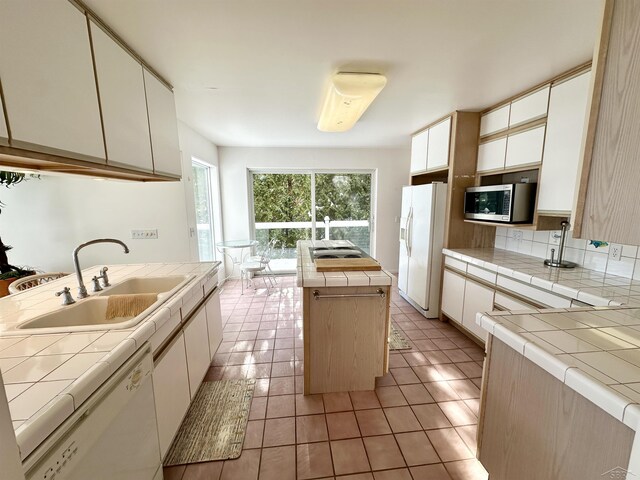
[235,251]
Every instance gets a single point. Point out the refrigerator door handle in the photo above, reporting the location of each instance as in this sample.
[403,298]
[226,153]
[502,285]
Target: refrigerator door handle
[407,239]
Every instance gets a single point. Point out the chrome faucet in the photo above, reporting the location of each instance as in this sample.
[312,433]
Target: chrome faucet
[82,290]
[560,262]
[67,299]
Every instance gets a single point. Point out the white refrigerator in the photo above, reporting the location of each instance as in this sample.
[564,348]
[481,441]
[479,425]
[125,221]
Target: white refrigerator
[421,236]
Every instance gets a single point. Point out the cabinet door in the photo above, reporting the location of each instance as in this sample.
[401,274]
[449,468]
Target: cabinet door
[452,295]
[565,126]
[163,125]
[491,155]
[419,144]
[124,107]
[438,147]
[171,391]
[4,133]
[477,298]
[529,107]
[495,121]
[196,339]
[48,80]
[214,322]
[525,148]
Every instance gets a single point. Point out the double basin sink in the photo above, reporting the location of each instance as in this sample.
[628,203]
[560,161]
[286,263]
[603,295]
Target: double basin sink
[90,313]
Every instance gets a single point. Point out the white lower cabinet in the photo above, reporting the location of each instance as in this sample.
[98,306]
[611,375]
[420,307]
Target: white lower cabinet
[477,298]
[452,295]
[171,391]
[197,342]
[214,322]
[506,302]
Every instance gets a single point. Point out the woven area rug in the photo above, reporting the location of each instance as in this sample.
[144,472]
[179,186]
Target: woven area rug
[215,425]
[397,341]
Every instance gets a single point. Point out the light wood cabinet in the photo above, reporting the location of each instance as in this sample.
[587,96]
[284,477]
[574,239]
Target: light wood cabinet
[491,155]
[452,295]
[47,78]
[214,322]
[438,147]
[419,145]
[607,203]
[563,141]
[495,121]
[477,298]
[525,148]
[4,132]
[123,103]
[163,126]
[196,340]
[529,107]
[171,391]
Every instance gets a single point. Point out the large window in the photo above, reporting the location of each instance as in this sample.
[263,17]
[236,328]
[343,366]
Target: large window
[203,194]
[292,206]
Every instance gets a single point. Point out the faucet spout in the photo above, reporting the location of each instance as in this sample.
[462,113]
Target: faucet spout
[82,290]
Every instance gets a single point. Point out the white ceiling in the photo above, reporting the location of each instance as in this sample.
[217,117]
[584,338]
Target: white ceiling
[253,72]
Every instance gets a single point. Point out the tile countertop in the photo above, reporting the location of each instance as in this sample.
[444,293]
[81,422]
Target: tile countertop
[588,286]
[307,276]
[48,376]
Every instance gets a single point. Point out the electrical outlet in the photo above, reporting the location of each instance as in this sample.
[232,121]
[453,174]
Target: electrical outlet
[615,251]
[516,234]
[150,234]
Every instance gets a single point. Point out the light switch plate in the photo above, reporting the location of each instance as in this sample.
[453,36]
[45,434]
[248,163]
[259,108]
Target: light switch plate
[151,234]
[516,234]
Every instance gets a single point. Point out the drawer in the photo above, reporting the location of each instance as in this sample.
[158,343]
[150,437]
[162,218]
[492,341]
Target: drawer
[535,294]
[191,300]
[481,273]
[166,327]
[530,107]
[455,263]
[507,302]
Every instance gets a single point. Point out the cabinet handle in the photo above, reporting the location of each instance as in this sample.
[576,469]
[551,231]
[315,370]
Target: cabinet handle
[379,293]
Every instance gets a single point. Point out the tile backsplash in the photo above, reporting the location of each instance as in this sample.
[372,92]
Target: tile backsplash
[611,258]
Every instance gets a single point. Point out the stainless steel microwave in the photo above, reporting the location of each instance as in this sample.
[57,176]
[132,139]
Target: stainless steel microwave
[512,203]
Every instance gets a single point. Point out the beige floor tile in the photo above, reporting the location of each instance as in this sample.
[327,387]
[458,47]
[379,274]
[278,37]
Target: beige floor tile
[278,463]
[364,400]
[402,419]
[342,425]
[311,428]
[349,456]
[383,452]
[313,460]
[337,402]
[372,422]
[245,467]
[417,448]
[279,431]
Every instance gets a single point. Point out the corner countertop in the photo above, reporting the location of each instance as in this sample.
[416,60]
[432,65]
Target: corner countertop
[308,276]
[48,376]
[582,284]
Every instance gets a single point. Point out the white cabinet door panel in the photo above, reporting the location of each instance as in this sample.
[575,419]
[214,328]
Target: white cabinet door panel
[525,147]
[214,322]
[535,294]
[452,295]
[171,391]
[491,155]
[530,107]
[495,121]
[124,107]
[477,298]
[419,144]
[196,339]
[509,303]
[565,127]
[163,125]
[4,132]
[47,78]
[438,147]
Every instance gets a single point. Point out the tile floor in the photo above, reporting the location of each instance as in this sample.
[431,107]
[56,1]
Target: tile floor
[419,423]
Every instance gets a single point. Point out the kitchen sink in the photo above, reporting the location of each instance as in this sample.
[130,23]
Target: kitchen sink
[140,285]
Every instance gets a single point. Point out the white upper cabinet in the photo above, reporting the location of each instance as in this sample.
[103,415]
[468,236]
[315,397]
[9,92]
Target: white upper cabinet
[525,148]
[419,144]
[438,147]
[124,107]
[491,155]
[529,107]
[495,121]
[4,133]
[163,126]
[565,126]
[48,79]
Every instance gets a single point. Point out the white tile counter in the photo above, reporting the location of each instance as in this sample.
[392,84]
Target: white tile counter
[308,276]
[47,376]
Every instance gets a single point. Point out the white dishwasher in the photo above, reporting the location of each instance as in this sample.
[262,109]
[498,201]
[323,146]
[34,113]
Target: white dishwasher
[112,436]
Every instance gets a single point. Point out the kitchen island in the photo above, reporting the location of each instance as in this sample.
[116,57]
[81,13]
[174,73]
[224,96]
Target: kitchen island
[49,374]
[345,323]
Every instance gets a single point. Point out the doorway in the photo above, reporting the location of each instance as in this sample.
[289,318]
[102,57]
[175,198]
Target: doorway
[203,175]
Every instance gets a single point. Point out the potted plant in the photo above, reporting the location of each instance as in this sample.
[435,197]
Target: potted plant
[8,272]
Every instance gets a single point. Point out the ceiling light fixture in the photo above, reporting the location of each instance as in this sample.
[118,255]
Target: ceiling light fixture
[349,95]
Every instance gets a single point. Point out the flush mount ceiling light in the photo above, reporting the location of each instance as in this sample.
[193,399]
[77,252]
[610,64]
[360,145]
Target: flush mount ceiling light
[349,95]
